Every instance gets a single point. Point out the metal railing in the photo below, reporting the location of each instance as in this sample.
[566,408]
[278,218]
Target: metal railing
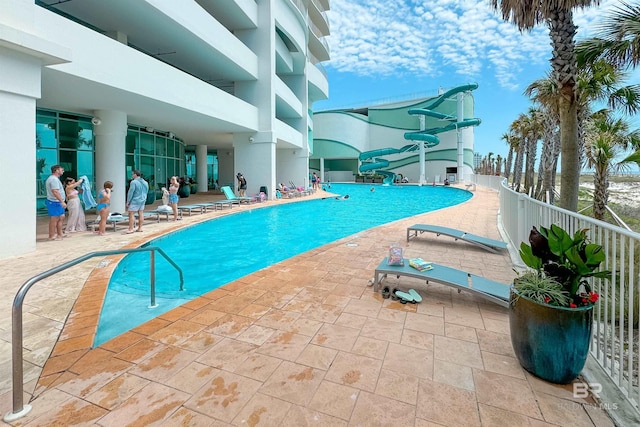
[19,409]
[616,336]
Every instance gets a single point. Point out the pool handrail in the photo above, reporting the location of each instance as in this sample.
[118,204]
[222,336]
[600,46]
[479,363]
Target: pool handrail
[19,409]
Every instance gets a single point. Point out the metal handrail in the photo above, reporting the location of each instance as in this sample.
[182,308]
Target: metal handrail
[19,409]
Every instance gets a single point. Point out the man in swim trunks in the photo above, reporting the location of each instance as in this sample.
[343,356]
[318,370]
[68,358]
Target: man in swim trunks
[55,202]
[136,199]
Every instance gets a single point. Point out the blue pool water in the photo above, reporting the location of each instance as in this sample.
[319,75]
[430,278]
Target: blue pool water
[221,250]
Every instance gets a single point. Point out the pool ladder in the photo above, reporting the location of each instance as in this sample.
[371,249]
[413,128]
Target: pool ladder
[19,408]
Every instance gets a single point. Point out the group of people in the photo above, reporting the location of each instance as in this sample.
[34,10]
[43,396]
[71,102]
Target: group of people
[67,196]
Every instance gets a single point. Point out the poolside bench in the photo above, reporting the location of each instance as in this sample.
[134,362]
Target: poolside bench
[490,290]
[490,245]
[223,203]
[161,213]
[191,208]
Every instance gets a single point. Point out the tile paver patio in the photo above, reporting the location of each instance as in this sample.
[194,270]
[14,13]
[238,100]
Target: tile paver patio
[303,342]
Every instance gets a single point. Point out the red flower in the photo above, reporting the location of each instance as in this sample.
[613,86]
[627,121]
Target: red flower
[572,305]
[547,299]
[593,297]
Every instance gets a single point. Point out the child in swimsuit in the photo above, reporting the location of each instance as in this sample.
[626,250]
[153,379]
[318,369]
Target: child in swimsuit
[104,200]
[173,196]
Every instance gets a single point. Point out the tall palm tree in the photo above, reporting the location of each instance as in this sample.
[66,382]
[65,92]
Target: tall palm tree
[533,123]
[619,41]
[507,165]
[558,14]
[597,81]
[518,130]
[606,138]
[498,169]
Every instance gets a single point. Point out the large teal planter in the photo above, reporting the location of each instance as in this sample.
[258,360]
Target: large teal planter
[550,342]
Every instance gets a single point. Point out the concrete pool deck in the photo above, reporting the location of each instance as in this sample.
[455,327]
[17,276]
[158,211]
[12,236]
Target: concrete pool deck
[303,342]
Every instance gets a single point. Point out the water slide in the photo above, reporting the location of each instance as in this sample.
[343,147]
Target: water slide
[373,163]
[426,138]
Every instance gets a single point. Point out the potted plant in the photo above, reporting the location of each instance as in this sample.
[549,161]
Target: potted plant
[551,306]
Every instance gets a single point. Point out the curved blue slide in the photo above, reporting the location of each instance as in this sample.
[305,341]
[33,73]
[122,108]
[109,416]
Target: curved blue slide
[378,164]
[427,136]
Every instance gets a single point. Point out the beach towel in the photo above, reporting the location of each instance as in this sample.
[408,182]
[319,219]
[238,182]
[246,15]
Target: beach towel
[87,198]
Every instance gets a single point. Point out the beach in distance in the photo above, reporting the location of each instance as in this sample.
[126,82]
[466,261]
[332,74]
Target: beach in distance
[624,190]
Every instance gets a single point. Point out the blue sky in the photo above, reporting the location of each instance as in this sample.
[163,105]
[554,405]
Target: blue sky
[390,49]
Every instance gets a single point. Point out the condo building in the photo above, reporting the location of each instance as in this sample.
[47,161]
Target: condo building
[202,89]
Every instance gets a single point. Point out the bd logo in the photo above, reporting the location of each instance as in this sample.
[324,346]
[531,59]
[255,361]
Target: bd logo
[581,390]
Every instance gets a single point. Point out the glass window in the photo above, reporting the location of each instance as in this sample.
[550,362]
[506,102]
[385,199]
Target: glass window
[131,141]
[161,146]
[147,169]
[85,137]
[146,143]
[68,132]
[172,167]
[161,173]
[45,158]
[46,132]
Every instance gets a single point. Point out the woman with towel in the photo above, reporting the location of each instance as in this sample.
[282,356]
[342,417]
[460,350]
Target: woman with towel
[76,221]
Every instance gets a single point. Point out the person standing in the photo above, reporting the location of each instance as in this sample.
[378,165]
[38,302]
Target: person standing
[136,199]
[55,203]
[173,196]
[242,184]
[104,200]
[314,181]
[76,221]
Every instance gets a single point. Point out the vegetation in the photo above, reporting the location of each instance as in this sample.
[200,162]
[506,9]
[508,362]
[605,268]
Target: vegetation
[559,17]
[594,73]
[565,259]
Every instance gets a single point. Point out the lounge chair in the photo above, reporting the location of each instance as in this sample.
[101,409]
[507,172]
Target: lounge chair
[485,243]
[229,194]
[495,292]
[299,191]
[113,220]
[150,216]
[222,203]
[191,208]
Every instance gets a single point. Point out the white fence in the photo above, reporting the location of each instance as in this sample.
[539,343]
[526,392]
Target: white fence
[616,334]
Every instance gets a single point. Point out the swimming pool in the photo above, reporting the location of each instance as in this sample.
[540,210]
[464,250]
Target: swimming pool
[221,250]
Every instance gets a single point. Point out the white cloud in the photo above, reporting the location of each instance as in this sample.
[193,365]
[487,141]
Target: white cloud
[428,38]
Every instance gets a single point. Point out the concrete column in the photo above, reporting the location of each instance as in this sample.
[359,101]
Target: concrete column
[257,162]
[460,114]
[201,169]
[110,137]
[322,169]
[22,56]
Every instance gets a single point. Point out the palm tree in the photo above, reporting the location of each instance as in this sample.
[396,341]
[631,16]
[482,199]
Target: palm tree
[597,81]
[533,123]
[619,43]
[525,14]
[498,169]
[606,138]
[507,165]
[518,137]
[544,92]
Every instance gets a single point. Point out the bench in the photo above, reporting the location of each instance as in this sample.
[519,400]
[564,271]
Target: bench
[490,290]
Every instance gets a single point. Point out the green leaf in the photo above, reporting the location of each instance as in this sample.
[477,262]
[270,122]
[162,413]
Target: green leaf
[559,240]
[529,258]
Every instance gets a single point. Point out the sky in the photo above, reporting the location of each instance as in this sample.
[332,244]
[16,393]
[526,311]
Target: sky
[392,49]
